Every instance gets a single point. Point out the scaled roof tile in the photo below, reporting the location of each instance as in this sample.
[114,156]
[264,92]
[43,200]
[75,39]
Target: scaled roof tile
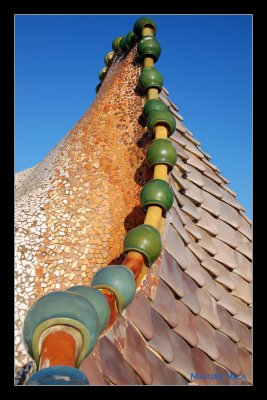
[162,374]
[139,313]
[199,252]
[194,270]
[225,254]
[177,137]
[195,162]
[229,215]
[189,135]
[228,198]
[161,339]
[135,353]
[178,225]
[206,338]
[181,165]
[210,285]
[180,151]
[227,324]
[212,175]
[211,265]
[243,289]
[227,234]
[186,326]
[211,204]
[244,245]
[191,146]
[208,222]
[227,300]
[212,187]
[171,273]
[243,312]
[182,362]
[225,277]
[192,228]
[90,369]
[208,308]
[245,227]
[207,243]
[245,335]
[228,353]
[164,303]
[193,192]
[186,204]
[113,365]
[245,360]
[195,176]
[203,365]
[211,165]
[190,297]
[175,246]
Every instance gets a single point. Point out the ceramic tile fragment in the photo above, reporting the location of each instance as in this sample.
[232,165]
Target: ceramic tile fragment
[228,351]
[139,313]
[208,222]
[164,303]
[162,375]
[135,353]
[186,326]
[206,338]
[190,297]
[175,246]
[161,338]
[182,362]
[114,367]
[208,309]
[171,273]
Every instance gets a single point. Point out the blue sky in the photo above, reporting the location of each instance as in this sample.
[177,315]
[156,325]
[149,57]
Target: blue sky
[206,62]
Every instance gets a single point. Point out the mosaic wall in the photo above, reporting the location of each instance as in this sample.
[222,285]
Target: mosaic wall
[67,226]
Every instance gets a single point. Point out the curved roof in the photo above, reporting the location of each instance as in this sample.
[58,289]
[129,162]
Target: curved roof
[192,314]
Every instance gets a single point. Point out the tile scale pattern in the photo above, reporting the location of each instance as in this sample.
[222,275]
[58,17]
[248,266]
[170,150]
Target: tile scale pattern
[192,311]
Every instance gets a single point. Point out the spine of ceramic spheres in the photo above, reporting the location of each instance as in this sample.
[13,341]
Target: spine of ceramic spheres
[156,196]
[145,239]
